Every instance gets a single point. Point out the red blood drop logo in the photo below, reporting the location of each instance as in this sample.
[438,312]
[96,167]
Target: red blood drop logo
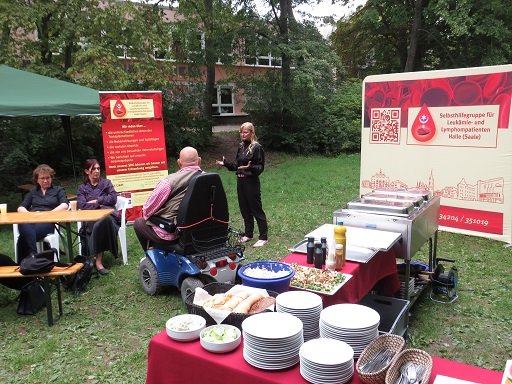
[423,128]
[119,109]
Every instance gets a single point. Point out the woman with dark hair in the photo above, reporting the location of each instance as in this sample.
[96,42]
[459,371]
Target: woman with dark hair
[96,193]
[43,197]
[248,166]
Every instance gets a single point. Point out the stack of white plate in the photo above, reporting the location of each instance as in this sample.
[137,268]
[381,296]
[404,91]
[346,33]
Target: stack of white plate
[272,340]
[324,361]
[355,324]
[304,305]
[402,286]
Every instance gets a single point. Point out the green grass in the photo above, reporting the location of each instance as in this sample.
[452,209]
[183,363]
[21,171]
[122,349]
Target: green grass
[104,333]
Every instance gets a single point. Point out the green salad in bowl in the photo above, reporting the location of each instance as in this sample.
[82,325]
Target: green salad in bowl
[220,338]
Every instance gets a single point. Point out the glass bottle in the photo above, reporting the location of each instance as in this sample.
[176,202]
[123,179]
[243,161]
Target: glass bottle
[323,241]
[340,261]
[310,247]
[318,256]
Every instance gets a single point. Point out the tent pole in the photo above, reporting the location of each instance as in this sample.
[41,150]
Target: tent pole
[66,123]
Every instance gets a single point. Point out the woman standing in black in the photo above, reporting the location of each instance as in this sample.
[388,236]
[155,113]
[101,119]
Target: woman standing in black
[249,164]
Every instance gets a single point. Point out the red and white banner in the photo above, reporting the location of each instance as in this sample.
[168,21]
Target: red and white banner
[447,131]
[134,144]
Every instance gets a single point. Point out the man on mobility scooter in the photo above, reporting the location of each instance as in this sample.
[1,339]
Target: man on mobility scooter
[185,232]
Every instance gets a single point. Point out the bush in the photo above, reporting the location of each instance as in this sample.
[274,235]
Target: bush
[309,120]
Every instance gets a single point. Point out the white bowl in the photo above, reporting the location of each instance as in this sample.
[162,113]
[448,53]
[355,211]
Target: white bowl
[185,327]
[231,339]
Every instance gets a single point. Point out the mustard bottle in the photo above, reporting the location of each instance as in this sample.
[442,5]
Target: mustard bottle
[340,238]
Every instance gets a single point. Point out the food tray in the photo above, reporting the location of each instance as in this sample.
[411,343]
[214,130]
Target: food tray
[424,194]
[399,209]
[331,292]
[235,319]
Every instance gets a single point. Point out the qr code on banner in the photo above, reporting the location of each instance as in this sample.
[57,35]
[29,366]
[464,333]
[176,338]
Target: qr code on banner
[385,125]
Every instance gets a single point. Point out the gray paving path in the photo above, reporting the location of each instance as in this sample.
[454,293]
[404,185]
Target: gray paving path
[226,128]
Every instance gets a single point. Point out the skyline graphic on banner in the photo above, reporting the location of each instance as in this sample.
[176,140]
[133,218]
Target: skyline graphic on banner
[489,191]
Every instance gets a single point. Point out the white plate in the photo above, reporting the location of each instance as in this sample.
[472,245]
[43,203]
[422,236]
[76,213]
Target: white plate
[299,300]
[327,352]
[272,325]
[350,316]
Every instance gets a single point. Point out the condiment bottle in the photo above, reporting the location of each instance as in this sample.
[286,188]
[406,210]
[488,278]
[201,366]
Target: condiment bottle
[310,247]
[323,241]
[340,238]
[330,264]
[340,259]
[318,256]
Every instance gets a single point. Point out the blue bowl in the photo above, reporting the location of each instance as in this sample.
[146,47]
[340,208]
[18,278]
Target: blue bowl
[278,284]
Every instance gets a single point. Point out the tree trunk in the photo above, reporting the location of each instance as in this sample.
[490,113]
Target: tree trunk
[413,43]
[44,46]
[210,60]
[284,19]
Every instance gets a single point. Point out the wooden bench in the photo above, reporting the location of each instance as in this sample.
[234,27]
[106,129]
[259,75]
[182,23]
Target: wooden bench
[48,278]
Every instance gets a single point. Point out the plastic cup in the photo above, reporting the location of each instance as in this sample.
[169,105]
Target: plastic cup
[3,209]
[72,205]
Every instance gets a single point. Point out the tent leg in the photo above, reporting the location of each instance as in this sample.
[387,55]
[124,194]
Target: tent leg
[66,123]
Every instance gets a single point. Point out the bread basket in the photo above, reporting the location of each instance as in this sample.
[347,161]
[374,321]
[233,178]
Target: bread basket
[235,319]
[387,341]
[416,356]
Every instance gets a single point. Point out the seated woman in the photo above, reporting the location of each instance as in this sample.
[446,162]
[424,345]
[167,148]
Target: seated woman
[43,197]
[96,193]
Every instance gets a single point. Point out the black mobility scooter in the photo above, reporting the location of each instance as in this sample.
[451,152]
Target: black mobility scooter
[206,251]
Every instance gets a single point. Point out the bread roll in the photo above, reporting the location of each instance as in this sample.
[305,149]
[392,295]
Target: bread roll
[217,300]
[246,305]
[232,303]
[262,304]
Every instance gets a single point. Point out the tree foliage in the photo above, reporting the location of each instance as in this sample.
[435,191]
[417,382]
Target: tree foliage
[378,37]
[82,41]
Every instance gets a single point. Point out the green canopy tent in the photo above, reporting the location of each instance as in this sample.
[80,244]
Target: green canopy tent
[25,93]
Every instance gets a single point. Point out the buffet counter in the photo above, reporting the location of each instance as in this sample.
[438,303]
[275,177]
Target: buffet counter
[379,270]
[175,362]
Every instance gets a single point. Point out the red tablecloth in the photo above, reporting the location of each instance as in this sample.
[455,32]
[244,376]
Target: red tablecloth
[380,269]
[173,362]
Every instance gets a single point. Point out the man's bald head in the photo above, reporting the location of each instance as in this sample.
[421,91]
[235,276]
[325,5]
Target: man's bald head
[189,157]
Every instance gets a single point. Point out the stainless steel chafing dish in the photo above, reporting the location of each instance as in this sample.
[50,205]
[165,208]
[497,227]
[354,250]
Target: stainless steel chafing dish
[412,213]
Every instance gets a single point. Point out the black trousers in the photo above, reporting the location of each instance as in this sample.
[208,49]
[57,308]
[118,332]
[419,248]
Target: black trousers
[249,201]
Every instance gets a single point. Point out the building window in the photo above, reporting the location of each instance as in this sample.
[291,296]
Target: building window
[123,52]
[263,60]
[225,104]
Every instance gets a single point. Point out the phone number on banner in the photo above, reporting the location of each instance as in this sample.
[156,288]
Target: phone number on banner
[471,219]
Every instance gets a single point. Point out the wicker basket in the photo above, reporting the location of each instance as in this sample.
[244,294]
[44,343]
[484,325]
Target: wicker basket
[416,356]
[388,341]
[235,319]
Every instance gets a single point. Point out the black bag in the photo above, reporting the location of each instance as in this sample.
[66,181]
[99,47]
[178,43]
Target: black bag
[39,263]
[169,226]
[80,280]
[32,298]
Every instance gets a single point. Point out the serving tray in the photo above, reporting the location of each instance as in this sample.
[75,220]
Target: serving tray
[346,277]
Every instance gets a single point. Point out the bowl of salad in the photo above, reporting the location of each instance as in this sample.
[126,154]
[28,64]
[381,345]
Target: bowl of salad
[220,338]
[185,327]
[270,275]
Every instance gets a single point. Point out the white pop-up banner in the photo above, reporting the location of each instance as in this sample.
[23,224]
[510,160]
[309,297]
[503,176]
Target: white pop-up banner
[449,132]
